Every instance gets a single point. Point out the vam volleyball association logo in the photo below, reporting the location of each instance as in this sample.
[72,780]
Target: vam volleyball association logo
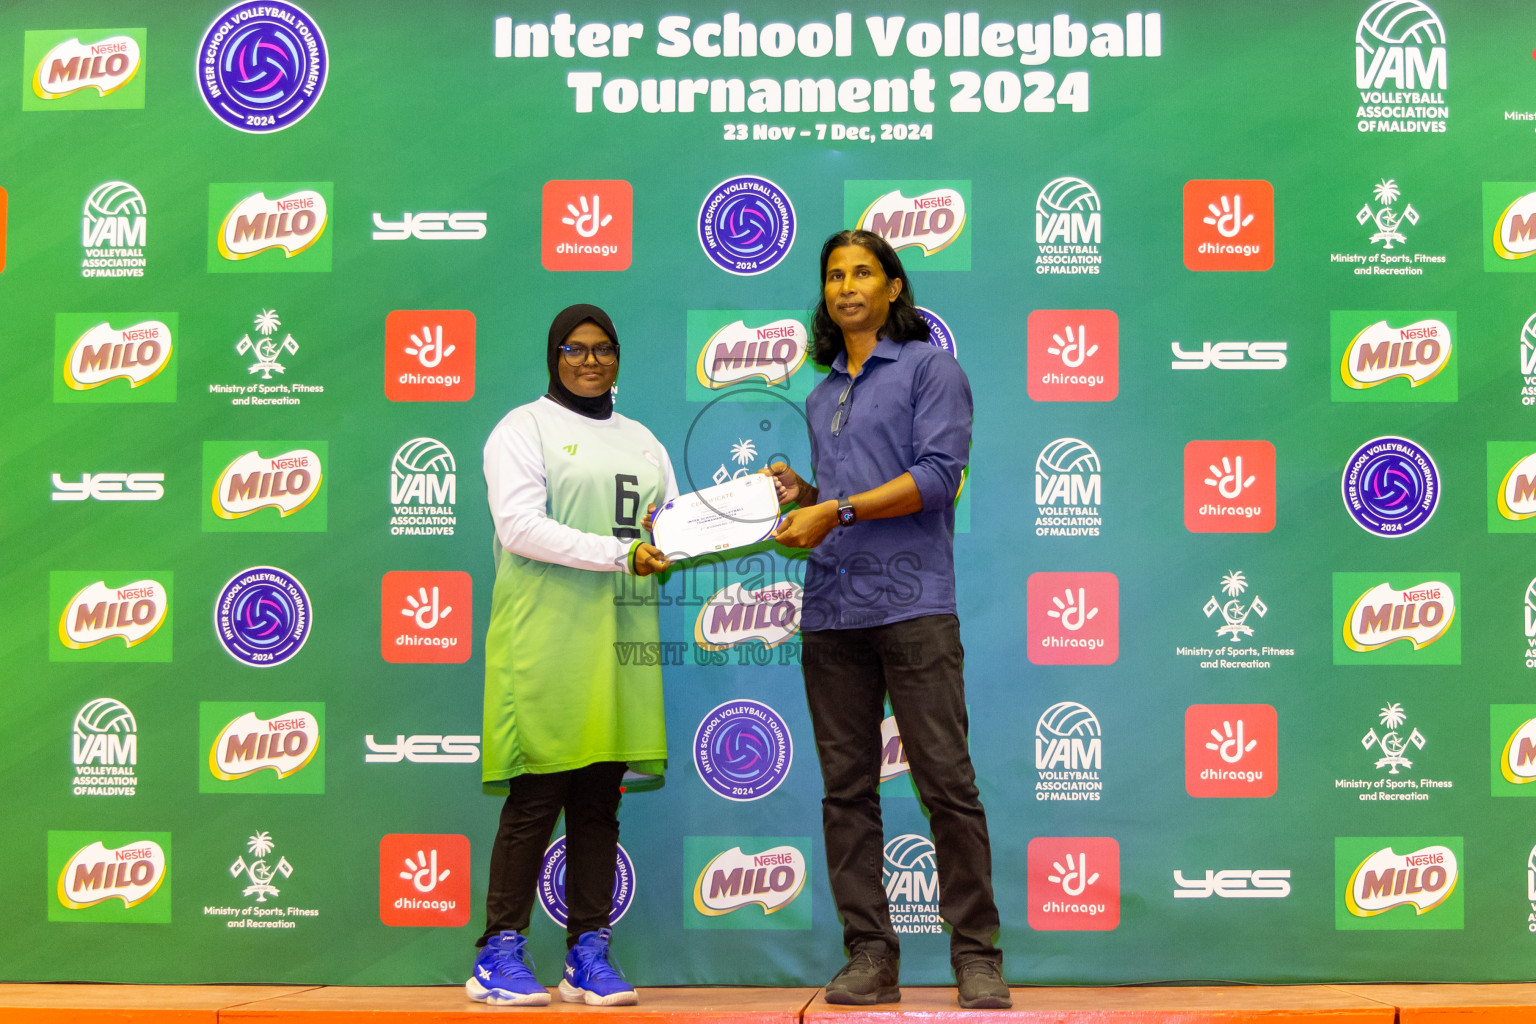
[746,225]
[911,878]
[262,616]
[262,66]
[1069,753]
[742,750]
[1069,228]
[105,749]
[551,884]
[423,489]
[114,231]
[1069,490]
[1391,486]
[1400,68]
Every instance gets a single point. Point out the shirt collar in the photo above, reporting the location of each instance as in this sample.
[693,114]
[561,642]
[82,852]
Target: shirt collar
[885,348]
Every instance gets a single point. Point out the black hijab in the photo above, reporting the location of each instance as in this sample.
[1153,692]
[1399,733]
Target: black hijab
[598,407]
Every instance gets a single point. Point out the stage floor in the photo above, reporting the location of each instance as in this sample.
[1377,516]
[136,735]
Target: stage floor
[258,1004]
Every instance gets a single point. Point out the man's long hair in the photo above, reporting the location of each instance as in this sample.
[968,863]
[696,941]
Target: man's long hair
[902,323]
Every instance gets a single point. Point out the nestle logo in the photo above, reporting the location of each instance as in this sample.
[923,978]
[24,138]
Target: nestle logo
[1415,860]
[133,592]
[929,202]
[132,853]
[295,463]
[303,203]
[109,48]
[280,724]
[772,858]
[776,332]
[141,335]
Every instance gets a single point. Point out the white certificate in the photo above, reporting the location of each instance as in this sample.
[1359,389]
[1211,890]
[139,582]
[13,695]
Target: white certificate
[730,515]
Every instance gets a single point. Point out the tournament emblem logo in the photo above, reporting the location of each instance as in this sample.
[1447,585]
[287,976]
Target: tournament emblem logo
[733,880]
[429,355]
[742,750]
[737,615]
[1069,753]
[1384,615]
[1069,228]
[1515,495]
[68,69]
[1229,225]
[423,489]
[424,881]
[283,745]
[940,336]
[1400,68]
[1391,486]
[1069,489]
[736,352]
[105,749]
[114,229]
[1374,350]
[137,354]
[1229,486]
[262,66]
[262,616]
[285,482]
[1073,618]
[551,885]
[1073,355]
[746,225]
[911,877]
[1379,884]
[92,876]
[1074,883]
[923,218]
[1231,750]
[131,613]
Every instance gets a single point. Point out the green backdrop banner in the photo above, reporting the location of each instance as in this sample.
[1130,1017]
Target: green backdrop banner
[1244,560]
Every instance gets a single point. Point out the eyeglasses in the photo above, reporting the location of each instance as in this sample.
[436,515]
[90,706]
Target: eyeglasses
[840,418]
[607,353]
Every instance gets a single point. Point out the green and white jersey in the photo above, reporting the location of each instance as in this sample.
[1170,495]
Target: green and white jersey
[567,494]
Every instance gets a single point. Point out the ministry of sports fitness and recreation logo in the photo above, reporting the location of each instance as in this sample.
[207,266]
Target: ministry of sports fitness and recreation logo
[110,877]
[765,347]
[1509,223]
[261,880]
[264,486]
[261,747]
[265,354]
[458,226]
[262,616]
[738,614]
[269,227]
[1379,888]
[1400,68]
[1385,225]
[746,225]
[1074,883]
[424,881]
[114,231]
[96,361]
[733,874]
[1391,486]
[429,355]
[1229,225]
[1069,490]
[1396,618]
[423,490]
[120,616]
[1229,486]
[1231,750]
[911,879]
[1073,618]
[918,218]
[72,70]
[105,749]
[551,884]
[1069,753]
[1235,615]
[743,750]
[1393,356]
[1512,487]
[1069,228]
[262,66]
[1073,355]
[1512,754]
[587,225]
[426,617]
[1392,744]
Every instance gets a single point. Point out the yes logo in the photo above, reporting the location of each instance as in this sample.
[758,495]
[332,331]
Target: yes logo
[120,616]
[1393,356]
[251,492]
[1073,618]
[426,617]
[1229,486]
[100,70]
[262,747]
[110,877]
[424,881]
[1230,750]
[1073,355]
[97,362]
[587,225]
[1229,225]
[429,355]
[1380,888]
[1512,483]
[272,228]
[1074,884]
[729,882]
[922,218]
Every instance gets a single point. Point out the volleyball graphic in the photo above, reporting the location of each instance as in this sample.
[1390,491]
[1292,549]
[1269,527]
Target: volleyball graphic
[1066,195]
[910,853]
[105,715]
[1067,455]
[1399,23]
[1067,719]
[114,199]
[423,455]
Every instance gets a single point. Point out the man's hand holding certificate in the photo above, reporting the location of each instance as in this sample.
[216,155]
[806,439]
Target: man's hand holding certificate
[734,514]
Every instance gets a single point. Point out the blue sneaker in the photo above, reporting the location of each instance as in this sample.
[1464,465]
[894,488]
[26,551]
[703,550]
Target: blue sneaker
[503,974]
[592,977]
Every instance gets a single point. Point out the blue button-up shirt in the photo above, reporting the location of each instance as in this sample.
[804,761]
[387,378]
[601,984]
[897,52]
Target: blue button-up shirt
[909,411]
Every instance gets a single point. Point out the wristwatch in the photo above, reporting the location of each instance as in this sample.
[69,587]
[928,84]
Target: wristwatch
[846,516]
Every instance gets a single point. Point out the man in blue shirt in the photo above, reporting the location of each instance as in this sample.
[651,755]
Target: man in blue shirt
[890,430]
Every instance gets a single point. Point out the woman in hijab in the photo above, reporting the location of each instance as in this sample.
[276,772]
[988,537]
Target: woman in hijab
[569,481]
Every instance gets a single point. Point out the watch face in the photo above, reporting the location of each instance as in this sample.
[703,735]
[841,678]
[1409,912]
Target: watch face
[845,514]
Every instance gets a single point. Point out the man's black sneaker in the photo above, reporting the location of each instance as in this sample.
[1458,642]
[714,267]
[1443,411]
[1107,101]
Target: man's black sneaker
[982,986]
[870,976]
